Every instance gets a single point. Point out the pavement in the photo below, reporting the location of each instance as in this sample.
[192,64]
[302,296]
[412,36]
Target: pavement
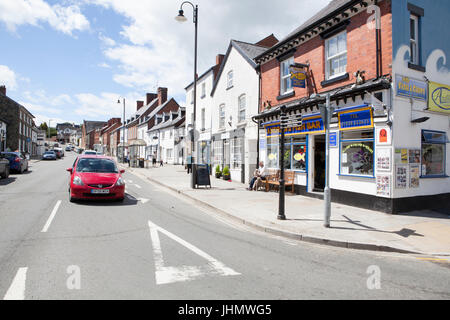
[158,244]
[421,232]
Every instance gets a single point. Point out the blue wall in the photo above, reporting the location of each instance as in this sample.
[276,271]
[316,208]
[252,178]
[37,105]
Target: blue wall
[434,26]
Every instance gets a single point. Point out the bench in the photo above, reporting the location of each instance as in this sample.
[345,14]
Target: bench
[274,180]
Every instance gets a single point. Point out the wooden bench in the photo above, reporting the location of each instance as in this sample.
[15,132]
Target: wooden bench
[274,180]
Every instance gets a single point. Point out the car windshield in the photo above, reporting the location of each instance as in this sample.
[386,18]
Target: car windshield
[96,165]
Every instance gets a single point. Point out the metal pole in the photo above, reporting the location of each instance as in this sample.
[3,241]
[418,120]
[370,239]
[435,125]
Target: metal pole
[326,193]
[195,100]
[281,215]
[123,133]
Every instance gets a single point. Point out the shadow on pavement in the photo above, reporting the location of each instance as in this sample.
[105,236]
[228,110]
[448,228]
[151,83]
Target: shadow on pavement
[128,201]
[4,182]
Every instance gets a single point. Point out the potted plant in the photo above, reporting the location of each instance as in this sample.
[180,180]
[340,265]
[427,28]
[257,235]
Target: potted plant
[226,173]
[218,172]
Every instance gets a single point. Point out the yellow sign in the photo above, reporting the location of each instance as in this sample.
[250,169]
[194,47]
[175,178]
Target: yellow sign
[438,97]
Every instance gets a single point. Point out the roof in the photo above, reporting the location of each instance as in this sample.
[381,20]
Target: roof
[332,9]
[92,125]
[18,104]
[199,78]
[247,50]
[175,122]
[141,111]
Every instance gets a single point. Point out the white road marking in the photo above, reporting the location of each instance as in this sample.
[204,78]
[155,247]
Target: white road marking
[52,216]
[164,274]
[17,289]
[143,200]
[137,186]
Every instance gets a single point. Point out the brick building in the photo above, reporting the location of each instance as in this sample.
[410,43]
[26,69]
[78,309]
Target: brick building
[20,122]
[90,133]
[347,51]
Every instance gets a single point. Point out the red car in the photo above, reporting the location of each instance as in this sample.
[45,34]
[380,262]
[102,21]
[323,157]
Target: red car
[96,177]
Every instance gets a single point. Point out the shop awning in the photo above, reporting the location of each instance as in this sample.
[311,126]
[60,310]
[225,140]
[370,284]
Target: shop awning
[138,142]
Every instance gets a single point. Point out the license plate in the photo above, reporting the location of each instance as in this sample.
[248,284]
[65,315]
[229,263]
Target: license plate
[100,191]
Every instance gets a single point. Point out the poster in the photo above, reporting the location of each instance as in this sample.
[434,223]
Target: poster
[414,175]
[414,156]
[383,136]
[383,159]
[401,156]
[383,185]
[401,176]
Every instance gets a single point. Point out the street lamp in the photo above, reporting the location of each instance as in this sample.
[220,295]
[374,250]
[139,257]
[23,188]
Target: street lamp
[182,18]
[123,129]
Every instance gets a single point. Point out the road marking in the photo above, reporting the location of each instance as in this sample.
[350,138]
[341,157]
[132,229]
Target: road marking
[17,289]
[167,274]
[433,259]
[143,200]
[52,216]
[137,186]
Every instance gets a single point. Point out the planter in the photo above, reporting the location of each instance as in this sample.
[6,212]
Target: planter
[218,175]
[226,177]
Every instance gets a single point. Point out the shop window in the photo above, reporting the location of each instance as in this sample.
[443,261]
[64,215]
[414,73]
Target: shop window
[236,153]
[357,153]
[294,154]
[272,156]
[433,153]
[218,153]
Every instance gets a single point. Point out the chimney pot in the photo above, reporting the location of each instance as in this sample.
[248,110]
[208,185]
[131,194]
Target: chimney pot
[162,95]
[151,97]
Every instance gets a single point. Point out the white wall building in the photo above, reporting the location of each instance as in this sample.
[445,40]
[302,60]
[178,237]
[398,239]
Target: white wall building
[235,99]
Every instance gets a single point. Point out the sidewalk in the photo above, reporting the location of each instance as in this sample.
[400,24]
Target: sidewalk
[424,232]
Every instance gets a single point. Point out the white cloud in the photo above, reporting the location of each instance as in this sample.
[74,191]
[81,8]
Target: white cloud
[106,40]
[104,65]
[160,50]
[8,78]
[21,12]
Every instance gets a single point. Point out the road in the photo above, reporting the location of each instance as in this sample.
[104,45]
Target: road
[156,245]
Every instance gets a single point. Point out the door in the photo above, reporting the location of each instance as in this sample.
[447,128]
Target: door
[319,163]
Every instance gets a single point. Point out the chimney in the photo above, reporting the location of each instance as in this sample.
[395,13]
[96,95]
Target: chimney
[3,90]
[162,95]
[219,59]
[139,104]
[151,97]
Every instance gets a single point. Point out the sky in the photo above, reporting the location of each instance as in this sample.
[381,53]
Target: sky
[71,60]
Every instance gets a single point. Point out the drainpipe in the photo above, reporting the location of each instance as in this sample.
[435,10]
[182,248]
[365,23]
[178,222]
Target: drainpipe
[378,44]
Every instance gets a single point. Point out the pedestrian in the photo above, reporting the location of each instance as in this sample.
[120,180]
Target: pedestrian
[161,163]
[259,173]
[154,160]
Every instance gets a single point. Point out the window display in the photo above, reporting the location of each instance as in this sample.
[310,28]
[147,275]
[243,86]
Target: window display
[294,154]
[433,153]
[357,153]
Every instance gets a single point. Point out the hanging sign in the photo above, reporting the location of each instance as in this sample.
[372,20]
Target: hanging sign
[312,124]
[439,97]
[298,77]
[355,119]
[411,88]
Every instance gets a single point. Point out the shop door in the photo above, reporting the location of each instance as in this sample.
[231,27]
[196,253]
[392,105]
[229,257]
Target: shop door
[319,163]
[226,153]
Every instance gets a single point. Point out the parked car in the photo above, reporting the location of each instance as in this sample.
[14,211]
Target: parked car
[96,177]
[58,153]
[68,148]
[61,150]
[90,152]
[49,155]
[4,167]
[17,161]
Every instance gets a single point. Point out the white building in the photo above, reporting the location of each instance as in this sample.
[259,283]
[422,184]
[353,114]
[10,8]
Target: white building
[203,116]
[235,96]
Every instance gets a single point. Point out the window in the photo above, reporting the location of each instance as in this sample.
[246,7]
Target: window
[203,118]
[414,38]
[336,55]
[222,116]
[169,154]
[218,153]
[433,153]
[192,97]
[294,153]
[357,153]
[285,74]
[236,153]
[241,108]
[203,89]
[230,79]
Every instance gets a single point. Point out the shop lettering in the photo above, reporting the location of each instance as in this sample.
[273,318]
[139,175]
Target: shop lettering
[361,145]
[356,123]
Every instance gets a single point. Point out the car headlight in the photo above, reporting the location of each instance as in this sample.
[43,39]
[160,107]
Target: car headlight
[120,182]
[77,180]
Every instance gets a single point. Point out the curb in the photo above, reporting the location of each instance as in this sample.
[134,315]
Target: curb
[287,234]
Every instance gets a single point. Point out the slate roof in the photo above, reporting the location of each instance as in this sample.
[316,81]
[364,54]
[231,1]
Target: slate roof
[92,125]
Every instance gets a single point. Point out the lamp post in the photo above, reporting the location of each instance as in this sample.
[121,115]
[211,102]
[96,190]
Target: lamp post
[48,129]
[123,129]
[283,120]
[182,18]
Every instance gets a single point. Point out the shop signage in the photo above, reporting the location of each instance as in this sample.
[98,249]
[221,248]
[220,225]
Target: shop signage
[356,119]
[309,125]
[439,97]
[383,136]
[411,88]
[333,139]
[298,77]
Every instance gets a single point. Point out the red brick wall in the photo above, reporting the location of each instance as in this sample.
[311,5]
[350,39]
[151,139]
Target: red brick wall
[361,55]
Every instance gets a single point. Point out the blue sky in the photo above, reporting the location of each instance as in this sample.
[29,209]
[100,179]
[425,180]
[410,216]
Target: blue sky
[70,60]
